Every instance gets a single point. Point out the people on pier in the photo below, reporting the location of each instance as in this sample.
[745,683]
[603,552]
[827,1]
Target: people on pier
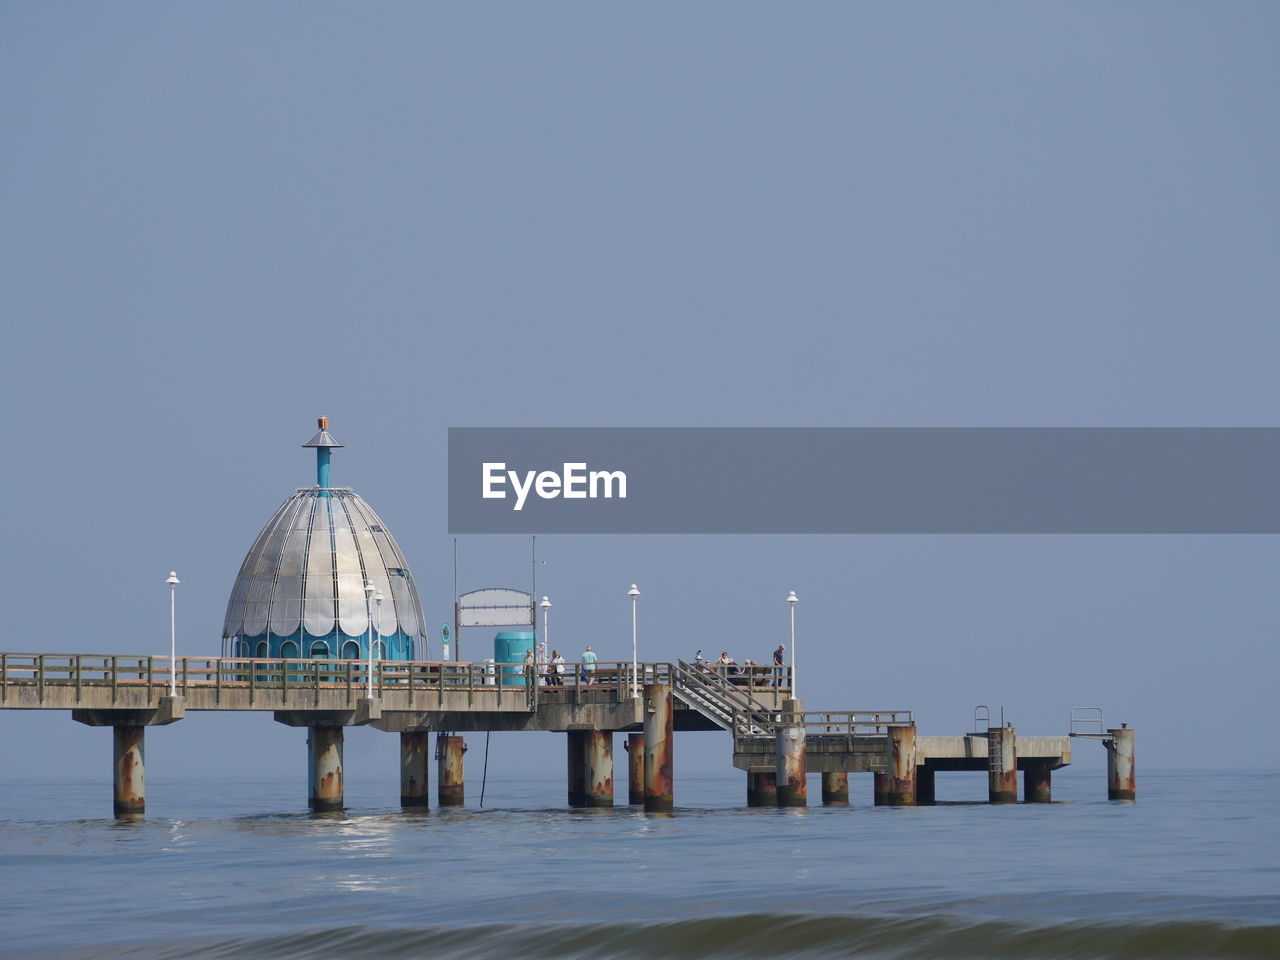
[589,665]
[555,669]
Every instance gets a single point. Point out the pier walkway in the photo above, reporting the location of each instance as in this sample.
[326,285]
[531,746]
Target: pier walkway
[775,741]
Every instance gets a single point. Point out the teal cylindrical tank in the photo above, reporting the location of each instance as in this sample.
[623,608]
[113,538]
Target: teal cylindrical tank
[511,646]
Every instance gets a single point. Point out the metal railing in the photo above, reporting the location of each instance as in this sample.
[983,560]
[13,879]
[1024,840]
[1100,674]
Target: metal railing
[419,682]
[753,728]
[1087,722]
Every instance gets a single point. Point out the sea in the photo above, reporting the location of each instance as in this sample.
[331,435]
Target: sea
[241,870]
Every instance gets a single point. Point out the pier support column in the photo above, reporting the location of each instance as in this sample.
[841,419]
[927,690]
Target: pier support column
[880,789]
[1121,783]
[413,770]
[762,789]
[576,767]
[1037,783]
[129,780]
[1002,765]
[902,767]
[659,749]
[926,788]
[598,759]
[793,788]
[450,791]
[635,769]
[835,788]
[324,768]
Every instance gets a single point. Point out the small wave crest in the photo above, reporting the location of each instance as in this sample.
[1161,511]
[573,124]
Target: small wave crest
[744,937]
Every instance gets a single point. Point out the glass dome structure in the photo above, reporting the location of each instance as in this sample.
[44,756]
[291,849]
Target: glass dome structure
[301,589]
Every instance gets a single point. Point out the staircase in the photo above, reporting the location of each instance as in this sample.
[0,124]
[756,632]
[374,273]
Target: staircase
[729,707]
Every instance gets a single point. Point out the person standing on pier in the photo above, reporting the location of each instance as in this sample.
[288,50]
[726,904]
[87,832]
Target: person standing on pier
[778,662]
[589,665]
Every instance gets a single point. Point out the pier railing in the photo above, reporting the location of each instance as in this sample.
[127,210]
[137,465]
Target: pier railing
[26,679]
[830,728]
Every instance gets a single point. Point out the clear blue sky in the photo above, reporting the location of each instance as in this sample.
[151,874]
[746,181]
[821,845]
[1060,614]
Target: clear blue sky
[222,220]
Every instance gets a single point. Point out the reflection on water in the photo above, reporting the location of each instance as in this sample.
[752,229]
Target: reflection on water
[223,876]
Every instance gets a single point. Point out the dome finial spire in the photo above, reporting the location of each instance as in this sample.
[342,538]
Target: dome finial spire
[323,442]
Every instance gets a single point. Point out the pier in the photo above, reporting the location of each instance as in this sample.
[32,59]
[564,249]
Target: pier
[772,738]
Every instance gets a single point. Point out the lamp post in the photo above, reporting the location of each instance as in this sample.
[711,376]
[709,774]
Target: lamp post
[633,593]
[369,591]
[173,582]
[546,630]
[792,600]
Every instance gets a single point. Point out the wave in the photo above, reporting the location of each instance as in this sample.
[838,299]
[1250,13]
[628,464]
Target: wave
[738,937]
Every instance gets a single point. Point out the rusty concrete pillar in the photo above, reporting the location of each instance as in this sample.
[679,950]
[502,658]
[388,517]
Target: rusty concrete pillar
[413,770]
[598,757]
[762,789]
[926,789]
[576,766]
[1121,783]
[1002,765]
[659,749]
[1037,783]
[324,768]
[789,758]
[880,789]
[902,767]
[835,788]
[450,790]
[635,769]
[129,779]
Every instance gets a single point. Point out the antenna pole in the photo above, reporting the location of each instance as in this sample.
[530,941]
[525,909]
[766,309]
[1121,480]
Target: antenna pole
[457,628]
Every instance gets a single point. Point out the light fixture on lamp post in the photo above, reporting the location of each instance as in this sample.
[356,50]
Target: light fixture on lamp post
[369,591]
[546,630]
[792,600]
[173,581]
[633,593]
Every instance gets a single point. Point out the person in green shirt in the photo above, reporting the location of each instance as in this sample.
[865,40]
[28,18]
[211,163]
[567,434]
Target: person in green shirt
[589,665]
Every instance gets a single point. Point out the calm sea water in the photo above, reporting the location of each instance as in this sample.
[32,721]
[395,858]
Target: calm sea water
[217,870]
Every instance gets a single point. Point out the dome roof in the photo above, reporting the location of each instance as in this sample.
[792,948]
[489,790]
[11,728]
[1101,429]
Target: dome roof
[307,570]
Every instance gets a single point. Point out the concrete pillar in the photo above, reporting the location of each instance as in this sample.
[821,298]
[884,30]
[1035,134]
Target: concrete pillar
[129,778]
[835,788]
[413,770]
[902,767]
[1037,783]
[880,789]
[576,766]
[762,789]
[1002,765]
[598,758]
[450,791]
[1121,783]
[659,749]
[925,788]
[635,769]
[324,768]
[789,759]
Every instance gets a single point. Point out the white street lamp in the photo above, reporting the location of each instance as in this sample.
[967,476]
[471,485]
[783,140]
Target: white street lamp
[173,582]
[633,593]
[546,630]
[369,591]
[792,600]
